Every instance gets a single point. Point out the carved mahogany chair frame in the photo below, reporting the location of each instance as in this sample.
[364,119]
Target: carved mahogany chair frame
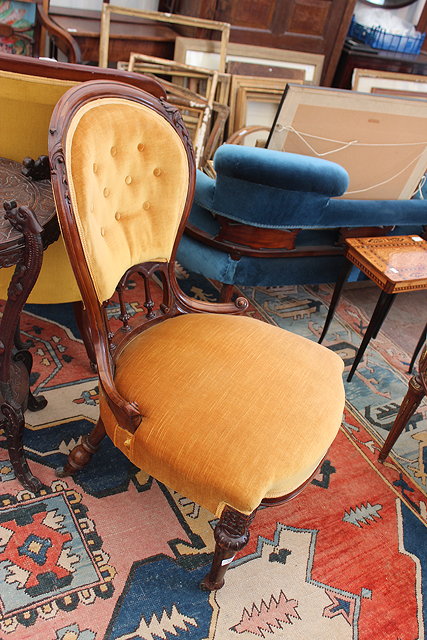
[232,531]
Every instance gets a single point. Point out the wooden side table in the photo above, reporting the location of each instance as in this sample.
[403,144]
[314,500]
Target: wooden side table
[24,232]
[394,263]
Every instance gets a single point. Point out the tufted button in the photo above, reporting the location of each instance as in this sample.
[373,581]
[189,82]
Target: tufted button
[128,179]
[113,151]
[102,231]
[127,442]
[146,205]
[95,167]
[117,215]
[106,192]
[157,172]
[141,147]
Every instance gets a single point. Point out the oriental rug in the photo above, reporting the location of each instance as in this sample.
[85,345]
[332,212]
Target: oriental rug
[112,554]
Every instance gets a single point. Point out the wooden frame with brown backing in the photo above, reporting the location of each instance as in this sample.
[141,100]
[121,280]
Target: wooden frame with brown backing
[379,140]
[205,53]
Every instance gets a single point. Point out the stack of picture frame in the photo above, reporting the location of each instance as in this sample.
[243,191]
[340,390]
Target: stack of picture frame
[250,79]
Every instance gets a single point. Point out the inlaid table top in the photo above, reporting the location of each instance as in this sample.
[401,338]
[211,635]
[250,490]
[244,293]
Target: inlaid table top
[37,195]
[394,263]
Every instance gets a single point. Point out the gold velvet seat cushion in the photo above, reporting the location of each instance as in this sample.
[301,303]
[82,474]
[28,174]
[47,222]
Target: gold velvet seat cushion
[235,410]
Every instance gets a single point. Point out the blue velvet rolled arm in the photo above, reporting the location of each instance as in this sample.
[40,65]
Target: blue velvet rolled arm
[277,190]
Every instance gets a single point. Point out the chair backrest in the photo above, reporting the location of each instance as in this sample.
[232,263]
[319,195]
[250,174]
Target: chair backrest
[30,88]
[123,177]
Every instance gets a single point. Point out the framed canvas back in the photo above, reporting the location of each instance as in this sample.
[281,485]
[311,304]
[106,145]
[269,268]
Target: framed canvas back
[380,140]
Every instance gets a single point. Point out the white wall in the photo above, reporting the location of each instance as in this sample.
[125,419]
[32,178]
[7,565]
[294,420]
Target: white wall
[149,5]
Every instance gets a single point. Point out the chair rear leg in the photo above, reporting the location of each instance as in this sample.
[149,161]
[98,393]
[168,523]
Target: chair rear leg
[231,535]
[80,315]
[83,452]
[226,292]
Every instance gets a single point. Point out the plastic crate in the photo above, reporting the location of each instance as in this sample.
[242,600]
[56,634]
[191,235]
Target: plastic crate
[379,38]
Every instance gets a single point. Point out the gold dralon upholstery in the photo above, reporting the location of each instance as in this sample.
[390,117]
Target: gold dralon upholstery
[235,410]
[26,105]
[128,180]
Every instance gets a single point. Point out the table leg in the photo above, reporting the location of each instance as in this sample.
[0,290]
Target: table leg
[382,307]
[385,314]
[15,366]
[345,271]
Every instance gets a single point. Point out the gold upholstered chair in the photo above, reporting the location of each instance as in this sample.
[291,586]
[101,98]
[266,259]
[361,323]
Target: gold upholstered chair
[225,409]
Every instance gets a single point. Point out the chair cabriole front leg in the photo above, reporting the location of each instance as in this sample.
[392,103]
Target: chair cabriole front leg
[231,535]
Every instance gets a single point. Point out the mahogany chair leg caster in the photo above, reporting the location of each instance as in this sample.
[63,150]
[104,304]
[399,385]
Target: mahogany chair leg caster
[82,453]
[231,535]
[207,585]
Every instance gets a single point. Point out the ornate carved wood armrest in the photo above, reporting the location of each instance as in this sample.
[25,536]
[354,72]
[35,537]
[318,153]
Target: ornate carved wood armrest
[126,413]
[63,40]
[187,304]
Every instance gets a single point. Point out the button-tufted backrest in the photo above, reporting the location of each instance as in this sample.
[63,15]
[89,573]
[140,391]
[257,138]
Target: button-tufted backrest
[128,175]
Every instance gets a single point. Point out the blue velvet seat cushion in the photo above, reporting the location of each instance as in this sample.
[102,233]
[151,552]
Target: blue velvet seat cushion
[219,265]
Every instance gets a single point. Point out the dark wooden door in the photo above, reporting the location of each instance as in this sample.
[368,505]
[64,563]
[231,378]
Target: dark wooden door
[316,26]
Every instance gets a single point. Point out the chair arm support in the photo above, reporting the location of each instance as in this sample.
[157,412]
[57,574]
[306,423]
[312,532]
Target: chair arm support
[187,304]
[126,413]
[64,41]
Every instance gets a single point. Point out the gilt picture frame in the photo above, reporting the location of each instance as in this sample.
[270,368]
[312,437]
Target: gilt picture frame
[158,16]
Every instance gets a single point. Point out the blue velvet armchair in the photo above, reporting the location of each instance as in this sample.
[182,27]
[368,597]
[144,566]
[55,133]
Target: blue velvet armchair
[272,218]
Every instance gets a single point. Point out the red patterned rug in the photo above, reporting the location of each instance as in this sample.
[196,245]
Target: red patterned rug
[114,555]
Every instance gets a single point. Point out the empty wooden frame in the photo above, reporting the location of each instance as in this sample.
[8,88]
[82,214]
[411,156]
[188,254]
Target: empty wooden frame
[389,83]
[157,16]
[208,54]
[380,140]
[194,78]
[254,101]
